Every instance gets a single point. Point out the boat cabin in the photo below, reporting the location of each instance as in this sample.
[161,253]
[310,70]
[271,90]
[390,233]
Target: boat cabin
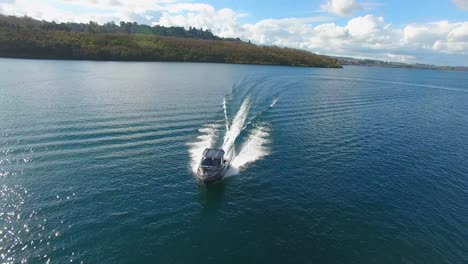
[213,158]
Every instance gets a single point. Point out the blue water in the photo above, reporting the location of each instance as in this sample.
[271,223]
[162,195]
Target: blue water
[353,165]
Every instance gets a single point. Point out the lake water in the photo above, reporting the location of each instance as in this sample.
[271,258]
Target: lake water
[353,165]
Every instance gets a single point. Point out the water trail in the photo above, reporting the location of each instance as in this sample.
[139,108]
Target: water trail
[205,140]
[274,102]
[226,119]
[253,149]
[236,127]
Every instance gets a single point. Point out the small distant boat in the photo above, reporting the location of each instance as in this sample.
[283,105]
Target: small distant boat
[213,165]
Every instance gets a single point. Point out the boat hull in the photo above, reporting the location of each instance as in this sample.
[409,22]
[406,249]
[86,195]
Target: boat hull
[212,176]
[211,179]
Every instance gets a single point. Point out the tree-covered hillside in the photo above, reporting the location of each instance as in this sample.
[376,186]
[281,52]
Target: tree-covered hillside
[28,38]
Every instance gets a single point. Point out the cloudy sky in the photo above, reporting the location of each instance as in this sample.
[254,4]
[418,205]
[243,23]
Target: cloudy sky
[425,31]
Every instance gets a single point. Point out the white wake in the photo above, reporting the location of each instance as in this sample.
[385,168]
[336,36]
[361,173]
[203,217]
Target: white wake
[226,119]
[273,103]
[236,127]
[205,140]
[253,149]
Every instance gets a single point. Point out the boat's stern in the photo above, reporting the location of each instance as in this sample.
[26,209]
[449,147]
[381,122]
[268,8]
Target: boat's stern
[209,175]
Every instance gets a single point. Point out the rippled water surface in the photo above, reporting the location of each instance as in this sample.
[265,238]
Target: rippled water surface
[353,165]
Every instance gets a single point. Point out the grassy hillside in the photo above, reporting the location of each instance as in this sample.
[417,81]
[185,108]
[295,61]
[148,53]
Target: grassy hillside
[29,38]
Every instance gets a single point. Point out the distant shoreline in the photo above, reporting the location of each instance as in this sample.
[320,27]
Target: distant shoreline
[437,68]
[24,37]
[347,61]
[251,64]
[148,61]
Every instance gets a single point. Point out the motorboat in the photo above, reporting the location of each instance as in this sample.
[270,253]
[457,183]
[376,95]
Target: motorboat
[213,165]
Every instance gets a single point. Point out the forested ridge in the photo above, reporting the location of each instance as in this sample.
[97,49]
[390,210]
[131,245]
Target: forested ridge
[24,37]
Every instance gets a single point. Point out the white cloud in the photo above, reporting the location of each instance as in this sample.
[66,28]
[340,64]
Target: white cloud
[463,4]
[34,9]
[366,36]
[441,36]
[330,31]
[117,5]
[223,22]
[368,26]
[459,33]
[78,10]
[369,36]
[341,7]
[194,7]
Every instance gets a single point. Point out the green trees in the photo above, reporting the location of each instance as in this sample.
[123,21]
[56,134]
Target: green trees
[129,41]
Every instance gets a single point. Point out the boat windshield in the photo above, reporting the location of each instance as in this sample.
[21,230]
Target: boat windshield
[211,162]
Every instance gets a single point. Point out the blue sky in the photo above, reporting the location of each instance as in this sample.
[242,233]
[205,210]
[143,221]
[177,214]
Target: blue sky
[397,11]
[434,31]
